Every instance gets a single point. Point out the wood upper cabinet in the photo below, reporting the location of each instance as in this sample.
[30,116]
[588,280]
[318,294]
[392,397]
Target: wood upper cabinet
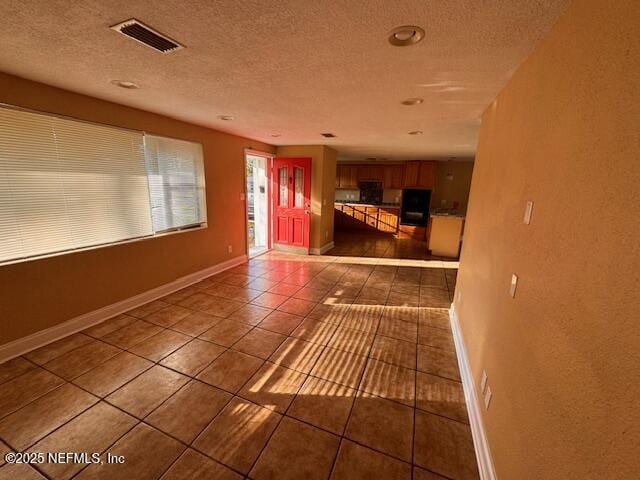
[393,176]
[427,177]
[370,173]
[347,176]
[411,174]
[419,174]
[414,174]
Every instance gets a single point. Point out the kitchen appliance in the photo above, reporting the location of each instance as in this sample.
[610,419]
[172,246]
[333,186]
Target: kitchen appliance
[415,207]
[371,192]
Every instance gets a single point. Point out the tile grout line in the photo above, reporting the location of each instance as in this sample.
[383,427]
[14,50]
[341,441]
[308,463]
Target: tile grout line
[353,404]
[191,378]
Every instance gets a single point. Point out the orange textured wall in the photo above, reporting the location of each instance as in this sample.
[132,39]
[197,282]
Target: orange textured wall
[563,356]
[38,294]
[455,189]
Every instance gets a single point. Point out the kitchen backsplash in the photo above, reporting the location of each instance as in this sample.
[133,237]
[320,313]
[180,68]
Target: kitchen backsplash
[391,195]
[345,194]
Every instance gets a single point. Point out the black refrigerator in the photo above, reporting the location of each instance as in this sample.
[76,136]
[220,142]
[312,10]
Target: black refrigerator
[415,207]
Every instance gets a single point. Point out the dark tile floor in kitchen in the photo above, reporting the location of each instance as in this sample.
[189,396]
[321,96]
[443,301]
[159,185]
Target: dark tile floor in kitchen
[285,367]
[353,244]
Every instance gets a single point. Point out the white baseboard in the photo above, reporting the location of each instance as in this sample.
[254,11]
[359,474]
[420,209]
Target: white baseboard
[319,251]
[483,453]
[36,340]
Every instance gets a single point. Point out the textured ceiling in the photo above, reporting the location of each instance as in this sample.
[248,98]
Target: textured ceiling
[290,67]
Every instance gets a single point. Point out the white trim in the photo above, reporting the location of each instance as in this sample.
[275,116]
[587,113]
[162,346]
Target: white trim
[257,253]
[269,158]
[51,334]
[480,442]
[258,153]
[319,251]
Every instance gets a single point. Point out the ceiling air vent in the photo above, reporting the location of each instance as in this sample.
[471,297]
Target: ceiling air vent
[147,36]
[328,135]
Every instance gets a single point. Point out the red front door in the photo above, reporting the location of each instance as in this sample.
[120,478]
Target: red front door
[291,202]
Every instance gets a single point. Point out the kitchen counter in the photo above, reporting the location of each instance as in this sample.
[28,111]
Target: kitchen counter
[444,214]
[446,234]
[361,204]
[367,217]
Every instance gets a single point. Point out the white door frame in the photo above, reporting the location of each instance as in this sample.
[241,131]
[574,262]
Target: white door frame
[269,158]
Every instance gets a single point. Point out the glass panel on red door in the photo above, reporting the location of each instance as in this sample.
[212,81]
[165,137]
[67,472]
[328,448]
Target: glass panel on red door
[298,181]
[283,196]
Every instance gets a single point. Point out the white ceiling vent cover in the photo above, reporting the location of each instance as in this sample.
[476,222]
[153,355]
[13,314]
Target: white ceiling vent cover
[147,36]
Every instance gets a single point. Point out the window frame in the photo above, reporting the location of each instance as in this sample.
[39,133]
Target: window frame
[174,231]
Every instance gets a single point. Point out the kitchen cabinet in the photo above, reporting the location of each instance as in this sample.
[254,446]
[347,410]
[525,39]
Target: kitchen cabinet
[414,174]
[388,220]
[445,237]
[347,176]
[411,173]
[419,174]
[370,218]
[393,176]
[427,177]
[347,217]
[370,173]
[359,215]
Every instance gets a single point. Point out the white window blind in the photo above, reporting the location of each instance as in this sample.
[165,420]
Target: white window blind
[176,183]
[66,184]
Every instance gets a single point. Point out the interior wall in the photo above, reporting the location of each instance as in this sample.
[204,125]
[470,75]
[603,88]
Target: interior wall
[456,189]
[323,173]
[562,356]
[38,294]
[325,235]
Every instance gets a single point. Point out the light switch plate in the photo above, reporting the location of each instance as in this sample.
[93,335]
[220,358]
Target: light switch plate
[527,212]
[514,284]
[483,382]
[487,398]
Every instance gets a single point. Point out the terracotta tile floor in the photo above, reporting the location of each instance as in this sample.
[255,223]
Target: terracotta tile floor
[284,367]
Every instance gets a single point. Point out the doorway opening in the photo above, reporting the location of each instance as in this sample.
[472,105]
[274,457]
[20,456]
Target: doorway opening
[257,169]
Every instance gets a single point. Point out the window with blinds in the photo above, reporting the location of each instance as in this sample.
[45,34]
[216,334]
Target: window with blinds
[176,183]
[67,184]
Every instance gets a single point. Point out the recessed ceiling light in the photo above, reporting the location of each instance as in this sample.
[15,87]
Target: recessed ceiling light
[276,135]
[225,117]
[405,35]
[416,132]
[328,135]
[412,101]
[125,84]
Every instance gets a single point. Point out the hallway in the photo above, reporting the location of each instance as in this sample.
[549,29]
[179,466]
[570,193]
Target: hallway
[309,367]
